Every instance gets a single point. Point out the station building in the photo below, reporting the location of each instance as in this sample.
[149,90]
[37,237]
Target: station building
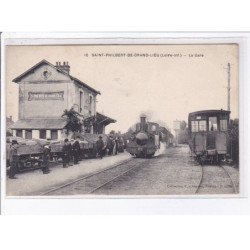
[45,92]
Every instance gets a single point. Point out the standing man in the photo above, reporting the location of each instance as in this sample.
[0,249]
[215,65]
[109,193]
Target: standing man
[100,147]
[13,159]
[46,157]
[66,153]
[116,146]
[70,154]
[76,150]
[110,145]
[71,143]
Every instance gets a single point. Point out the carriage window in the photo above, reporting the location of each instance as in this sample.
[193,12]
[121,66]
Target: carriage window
[195,126]
[198,126]
[213,124]
[223,125]
[202,125]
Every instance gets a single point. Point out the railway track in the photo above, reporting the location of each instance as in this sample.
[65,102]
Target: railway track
[95,181]
[234,186]
[215,179]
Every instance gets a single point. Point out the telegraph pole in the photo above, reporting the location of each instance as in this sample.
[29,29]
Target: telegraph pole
[228,85]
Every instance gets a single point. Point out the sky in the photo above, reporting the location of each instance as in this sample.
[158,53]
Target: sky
[164,81]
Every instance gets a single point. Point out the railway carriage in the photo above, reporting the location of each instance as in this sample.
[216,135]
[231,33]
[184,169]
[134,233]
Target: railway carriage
[208,135]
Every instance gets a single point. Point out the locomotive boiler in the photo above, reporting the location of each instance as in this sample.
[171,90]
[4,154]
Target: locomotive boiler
[145,140]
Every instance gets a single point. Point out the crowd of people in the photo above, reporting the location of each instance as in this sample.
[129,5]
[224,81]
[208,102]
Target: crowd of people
[71,152]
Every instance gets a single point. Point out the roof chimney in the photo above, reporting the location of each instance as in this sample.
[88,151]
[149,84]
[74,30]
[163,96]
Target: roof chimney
[64,66]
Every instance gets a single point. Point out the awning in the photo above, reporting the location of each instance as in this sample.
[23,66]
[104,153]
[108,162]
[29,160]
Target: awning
[103,119]
[40,123]
[99,119]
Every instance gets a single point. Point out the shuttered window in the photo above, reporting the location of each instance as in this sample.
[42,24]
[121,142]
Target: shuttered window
[54,135]
[42,134]
[28,134]
[19,133]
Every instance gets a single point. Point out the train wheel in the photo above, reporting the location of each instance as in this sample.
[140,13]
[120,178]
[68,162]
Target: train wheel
[201,160]
[150,155]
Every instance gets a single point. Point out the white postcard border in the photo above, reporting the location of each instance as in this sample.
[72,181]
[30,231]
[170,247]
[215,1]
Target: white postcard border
[215,204]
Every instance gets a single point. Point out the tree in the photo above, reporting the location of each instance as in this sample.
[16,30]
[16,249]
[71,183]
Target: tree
[183,133]
[233,132]
[74,122]
[183,125]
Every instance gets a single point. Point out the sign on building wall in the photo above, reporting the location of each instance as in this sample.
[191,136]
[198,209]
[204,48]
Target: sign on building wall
[33,96]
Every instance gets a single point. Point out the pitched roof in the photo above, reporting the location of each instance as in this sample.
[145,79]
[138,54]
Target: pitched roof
[40,123]
[18,79]
[101,118]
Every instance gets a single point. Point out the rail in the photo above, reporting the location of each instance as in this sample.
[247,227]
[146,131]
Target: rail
[84,177]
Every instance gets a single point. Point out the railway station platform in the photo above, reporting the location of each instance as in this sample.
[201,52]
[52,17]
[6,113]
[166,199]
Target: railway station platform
[35,183]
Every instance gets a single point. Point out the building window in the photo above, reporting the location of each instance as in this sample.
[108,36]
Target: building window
[54,135]
[90,102]
[197,126]
[223,125]
[42,134]
[28,134]
[81,97]
[19,133]
[213,124]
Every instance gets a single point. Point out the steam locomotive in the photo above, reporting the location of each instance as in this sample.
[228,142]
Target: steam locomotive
[145,140]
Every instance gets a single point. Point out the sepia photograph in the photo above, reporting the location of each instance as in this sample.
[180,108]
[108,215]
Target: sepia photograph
[122,120]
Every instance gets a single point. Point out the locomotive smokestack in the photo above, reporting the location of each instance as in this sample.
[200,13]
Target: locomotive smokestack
[143,122]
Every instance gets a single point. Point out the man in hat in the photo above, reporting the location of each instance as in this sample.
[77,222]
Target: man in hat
[115,150]
[71,143]
[46,157]
[13,159]
[100,147]
[76,150]
[66,153]
[110,145]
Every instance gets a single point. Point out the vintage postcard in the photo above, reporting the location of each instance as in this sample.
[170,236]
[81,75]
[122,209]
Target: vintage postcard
[121,119]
